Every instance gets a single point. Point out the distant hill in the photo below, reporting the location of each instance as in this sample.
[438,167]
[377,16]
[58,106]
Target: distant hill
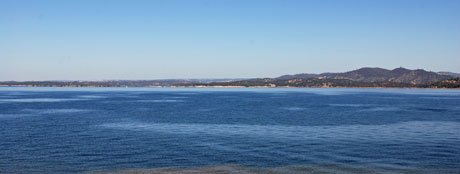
[363,77]
[298,76]
[398,75]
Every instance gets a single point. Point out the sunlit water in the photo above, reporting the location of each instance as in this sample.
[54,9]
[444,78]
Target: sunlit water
[229,130]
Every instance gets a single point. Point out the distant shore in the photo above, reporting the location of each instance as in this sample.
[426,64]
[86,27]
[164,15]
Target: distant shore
[221,87]
[361,78]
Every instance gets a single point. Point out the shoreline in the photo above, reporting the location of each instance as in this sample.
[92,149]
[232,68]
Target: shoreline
[338,87]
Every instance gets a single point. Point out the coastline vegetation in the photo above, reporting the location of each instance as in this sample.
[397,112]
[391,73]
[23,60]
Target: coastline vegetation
[263,82]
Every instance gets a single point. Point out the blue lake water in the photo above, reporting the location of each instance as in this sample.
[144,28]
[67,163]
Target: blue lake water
[239,130]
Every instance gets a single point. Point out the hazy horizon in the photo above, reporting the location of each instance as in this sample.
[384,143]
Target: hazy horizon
[198,78]
[142,40]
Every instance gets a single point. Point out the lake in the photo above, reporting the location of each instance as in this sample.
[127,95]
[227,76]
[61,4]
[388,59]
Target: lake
[229,130]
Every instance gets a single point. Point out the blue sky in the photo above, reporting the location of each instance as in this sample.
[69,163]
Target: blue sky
[135,39]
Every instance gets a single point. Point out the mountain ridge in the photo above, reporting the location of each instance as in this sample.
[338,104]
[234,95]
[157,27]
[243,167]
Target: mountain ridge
[370,74]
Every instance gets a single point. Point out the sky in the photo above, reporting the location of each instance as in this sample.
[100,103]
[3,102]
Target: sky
[162,39]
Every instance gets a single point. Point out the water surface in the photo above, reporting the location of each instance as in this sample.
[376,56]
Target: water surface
[229,130]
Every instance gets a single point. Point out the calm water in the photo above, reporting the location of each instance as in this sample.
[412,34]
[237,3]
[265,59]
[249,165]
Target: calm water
[187,130]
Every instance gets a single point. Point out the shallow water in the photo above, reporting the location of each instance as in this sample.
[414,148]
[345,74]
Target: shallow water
[229,130]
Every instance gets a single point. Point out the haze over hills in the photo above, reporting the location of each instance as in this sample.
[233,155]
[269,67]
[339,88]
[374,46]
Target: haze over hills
[116,83]
[450,74]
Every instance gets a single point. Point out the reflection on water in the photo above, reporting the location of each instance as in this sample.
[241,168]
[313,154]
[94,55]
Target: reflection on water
[55,111]
[407,131]
[293,108]
[25,100]
[161,101]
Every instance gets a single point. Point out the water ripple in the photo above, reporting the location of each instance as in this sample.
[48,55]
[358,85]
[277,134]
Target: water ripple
[406,131]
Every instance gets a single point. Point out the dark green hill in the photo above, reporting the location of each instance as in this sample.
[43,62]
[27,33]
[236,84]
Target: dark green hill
[451,83]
